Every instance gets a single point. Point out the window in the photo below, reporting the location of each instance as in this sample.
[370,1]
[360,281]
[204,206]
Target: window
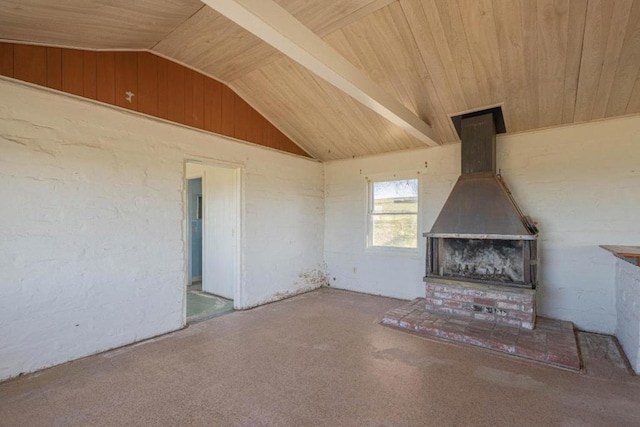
[393,214]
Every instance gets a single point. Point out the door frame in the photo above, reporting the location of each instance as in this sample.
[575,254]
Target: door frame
[239,170]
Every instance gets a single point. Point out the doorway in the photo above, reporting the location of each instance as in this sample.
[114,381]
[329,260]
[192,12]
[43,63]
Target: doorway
[194,215]
[213,236]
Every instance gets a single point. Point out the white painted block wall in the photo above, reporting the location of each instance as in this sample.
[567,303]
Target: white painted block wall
[580,183]
[92,237]
[628,305]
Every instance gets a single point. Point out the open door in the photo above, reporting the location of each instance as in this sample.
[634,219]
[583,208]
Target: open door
[221,221]
[219,226]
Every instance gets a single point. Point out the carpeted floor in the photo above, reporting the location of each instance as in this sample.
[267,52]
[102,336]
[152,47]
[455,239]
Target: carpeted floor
[320,358]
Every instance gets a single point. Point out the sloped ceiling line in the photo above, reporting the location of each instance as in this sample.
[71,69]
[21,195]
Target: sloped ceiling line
[329,27]
[277,27]
[177,26]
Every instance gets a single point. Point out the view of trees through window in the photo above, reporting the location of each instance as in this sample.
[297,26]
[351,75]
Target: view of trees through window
[394,213]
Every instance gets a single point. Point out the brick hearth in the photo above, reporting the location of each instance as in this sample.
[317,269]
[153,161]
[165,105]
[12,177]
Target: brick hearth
[552,342]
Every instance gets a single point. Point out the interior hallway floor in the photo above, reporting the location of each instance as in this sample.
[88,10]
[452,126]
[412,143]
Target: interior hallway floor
[202,306]
[321,358]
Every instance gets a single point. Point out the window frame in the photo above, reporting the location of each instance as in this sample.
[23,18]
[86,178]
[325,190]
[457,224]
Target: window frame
[369,214]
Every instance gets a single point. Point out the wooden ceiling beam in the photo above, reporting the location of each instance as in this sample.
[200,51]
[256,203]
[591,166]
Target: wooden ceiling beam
[275,26]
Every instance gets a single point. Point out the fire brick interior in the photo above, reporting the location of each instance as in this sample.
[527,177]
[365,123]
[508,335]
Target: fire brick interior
[345,212]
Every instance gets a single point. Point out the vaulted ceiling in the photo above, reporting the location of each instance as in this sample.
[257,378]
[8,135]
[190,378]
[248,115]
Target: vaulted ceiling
[547,62]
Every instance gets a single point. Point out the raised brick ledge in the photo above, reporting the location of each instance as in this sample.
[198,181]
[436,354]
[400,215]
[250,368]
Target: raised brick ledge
[495,304]
[553,342]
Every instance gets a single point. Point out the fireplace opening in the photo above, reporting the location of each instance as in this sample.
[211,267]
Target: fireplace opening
[487,260]
[504,262]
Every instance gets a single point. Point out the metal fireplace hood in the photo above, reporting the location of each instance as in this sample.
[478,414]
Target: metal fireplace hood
[480,205]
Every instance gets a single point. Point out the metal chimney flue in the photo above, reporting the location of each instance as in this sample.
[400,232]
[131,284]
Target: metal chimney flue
[478,144]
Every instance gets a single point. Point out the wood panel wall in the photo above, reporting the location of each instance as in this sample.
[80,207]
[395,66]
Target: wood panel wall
[146,83]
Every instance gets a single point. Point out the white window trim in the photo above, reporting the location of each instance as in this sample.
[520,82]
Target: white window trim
[371,178]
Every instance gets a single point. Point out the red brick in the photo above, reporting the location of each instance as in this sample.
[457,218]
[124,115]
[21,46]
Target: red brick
[428,321]
[501,346]
[415,303]
[474,293]
[508,305]
[462,313]
[527,308]
[484,301]
[433,301]
[390,321]
[522,299]
[509,340]
[485,317]
[475,341]
[554,336]
[531,352]
[461,297]
[496,334]
[446,310]
[483,326]
[527,325]
[439,322]
[567,361]
[454,304]
[544,325]
[430,330]
[435,288]
[450,335]
[495,296]
[405,324]
[539,336]
[506,321]
[521,316]
[443,295]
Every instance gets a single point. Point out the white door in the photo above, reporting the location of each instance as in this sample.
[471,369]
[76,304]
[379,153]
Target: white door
[220,234]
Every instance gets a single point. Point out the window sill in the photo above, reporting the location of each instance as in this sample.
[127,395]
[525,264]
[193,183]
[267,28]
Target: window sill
[390,250]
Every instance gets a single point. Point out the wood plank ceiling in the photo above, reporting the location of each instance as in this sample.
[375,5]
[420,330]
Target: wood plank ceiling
[97,24]
[548,62]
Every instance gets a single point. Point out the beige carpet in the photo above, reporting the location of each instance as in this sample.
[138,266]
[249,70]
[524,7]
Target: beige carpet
[321,358]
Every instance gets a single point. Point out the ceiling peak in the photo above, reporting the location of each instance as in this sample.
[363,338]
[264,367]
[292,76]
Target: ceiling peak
[275,26]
